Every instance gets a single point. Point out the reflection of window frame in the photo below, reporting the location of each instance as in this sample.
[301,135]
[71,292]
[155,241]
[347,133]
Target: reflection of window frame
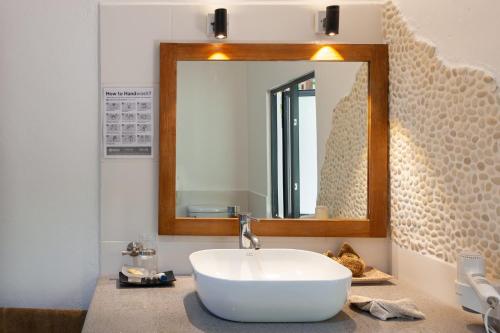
[290,94]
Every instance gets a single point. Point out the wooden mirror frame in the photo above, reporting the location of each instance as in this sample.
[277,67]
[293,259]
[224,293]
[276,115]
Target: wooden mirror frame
[376,55]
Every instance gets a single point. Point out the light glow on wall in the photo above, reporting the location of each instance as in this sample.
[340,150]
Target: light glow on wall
[218,56]
[327,53]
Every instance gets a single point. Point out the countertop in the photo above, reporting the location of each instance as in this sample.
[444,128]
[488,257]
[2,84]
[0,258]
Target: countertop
[178,309]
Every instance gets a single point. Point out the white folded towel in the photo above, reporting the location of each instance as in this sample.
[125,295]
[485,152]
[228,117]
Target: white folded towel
[385,309]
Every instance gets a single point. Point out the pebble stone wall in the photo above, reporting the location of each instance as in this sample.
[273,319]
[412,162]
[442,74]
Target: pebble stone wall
[343,180]
[444,151]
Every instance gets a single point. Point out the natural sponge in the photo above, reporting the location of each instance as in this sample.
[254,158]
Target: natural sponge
[349,258]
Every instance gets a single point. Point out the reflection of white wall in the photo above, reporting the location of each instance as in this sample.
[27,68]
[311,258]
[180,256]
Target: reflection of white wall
[211,126]
[308,165]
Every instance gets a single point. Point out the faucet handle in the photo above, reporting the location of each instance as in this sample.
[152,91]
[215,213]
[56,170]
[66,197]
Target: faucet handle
[246,218]
[133,249]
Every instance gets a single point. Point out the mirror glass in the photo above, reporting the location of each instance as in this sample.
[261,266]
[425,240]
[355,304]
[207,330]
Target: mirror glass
[279,139]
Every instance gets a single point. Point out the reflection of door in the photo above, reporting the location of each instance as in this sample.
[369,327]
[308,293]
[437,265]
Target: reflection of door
[289,103]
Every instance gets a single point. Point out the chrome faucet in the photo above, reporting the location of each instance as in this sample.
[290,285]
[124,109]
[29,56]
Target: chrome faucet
[247,239]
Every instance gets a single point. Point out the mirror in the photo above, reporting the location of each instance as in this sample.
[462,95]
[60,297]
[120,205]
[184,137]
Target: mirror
[279,139]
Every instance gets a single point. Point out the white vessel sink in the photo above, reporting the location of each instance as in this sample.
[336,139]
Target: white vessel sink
[270,285]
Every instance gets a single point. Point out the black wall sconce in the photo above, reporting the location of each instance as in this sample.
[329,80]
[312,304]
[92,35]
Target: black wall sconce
[327,22]
[218,22]
[331,22]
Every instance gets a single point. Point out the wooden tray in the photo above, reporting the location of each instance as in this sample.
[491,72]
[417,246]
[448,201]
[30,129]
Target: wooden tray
[372,275]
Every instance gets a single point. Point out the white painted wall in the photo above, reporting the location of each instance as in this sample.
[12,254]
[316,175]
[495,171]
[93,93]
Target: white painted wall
[464,33]
[130,56]
[49,140]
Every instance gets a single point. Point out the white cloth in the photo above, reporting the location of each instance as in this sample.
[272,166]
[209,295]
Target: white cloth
[385,309]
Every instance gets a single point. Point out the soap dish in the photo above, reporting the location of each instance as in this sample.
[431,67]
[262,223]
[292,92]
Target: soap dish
[124,282]
[372,275]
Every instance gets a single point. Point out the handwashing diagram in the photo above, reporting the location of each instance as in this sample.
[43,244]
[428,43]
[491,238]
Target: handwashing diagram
[112,128]
[128,117]
[143,128]
[127,122]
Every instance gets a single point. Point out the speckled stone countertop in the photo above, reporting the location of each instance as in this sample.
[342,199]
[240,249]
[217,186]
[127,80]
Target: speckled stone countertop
[178,309]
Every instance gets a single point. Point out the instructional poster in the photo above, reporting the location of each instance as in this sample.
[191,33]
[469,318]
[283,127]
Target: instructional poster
[128,122]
